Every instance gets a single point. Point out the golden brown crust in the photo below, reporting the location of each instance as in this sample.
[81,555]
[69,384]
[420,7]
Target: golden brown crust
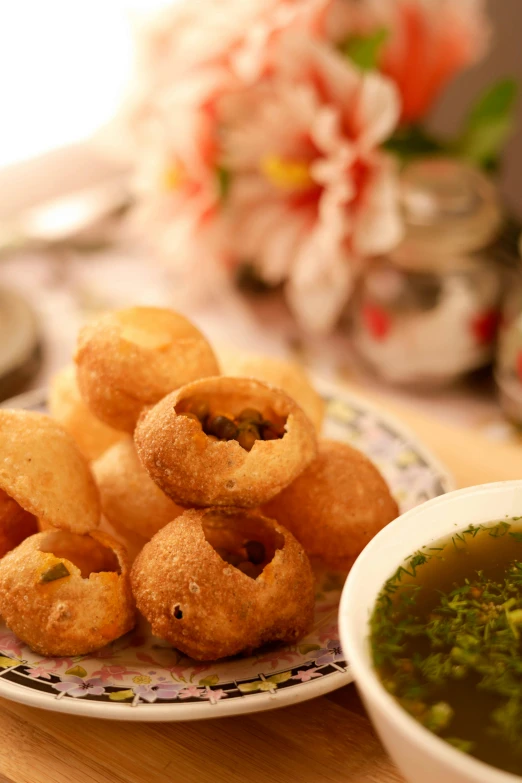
[223,610]
[132,358]
[43,471]
[195,470]
[336,506]
[15,524]
[130,499]
[286,375]
[70,615]
[66,405]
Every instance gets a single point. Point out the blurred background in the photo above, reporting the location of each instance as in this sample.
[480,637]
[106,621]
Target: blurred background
[70,78]
[64,76]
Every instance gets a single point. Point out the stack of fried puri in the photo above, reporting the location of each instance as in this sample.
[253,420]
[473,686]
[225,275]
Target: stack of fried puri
[223,579]
[216,487]
[249,442]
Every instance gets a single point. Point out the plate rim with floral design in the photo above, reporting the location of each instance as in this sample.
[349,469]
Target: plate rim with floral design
[325,670]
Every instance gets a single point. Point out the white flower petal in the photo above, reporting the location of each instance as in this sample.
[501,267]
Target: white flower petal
[378,109]
[319,286]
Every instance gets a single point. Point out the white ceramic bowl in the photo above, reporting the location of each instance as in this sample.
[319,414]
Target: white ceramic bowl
[421,755]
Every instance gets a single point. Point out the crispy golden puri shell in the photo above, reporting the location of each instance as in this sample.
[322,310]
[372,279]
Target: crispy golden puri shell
[69,615]
[42,469]
[132,358]
[209,609]
[129,498]
[286,375]
[336,506]
[66,405]
[15,524]
[195,470]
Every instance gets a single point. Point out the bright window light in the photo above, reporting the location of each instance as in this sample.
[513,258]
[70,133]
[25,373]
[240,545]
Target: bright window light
[64,67]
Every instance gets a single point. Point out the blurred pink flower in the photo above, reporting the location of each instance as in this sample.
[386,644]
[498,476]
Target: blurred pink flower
[176,179]
[311,192]
[429,41]
[236,34]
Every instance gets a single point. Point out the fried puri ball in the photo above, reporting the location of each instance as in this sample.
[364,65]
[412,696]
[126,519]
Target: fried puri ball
[15,524]
[216,582]
[130,500]
[42,470]
[66,405]
[336,505]
[286,375]
[66,594]
[225,441]
[131,358]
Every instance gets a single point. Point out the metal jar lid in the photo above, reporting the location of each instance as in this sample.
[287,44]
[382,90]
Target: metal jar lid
[450,210]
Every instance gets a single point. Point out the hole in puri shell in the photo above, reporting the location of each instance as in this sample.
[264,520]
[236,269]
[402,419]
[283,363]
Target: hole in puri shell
[178,612]
[243,541]
[84,552]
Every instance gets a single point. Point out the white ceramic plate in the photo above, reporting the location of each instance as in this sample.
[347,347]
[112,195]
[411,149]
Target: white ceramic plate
[142,678]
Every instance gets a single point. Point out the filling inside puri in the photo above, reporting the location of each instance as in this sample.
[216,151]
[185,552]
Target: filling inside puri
[85,552]
[244,541]
[237,419]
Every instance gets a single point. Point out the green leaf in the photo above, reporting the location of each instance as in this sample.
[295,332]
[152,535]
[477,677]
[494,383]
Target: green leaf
[6,663]
[77,671]
[306,648]
[223,178]
[412,141]
[282,677]
[212,679]
[121,695]
[364,50]
[488,124]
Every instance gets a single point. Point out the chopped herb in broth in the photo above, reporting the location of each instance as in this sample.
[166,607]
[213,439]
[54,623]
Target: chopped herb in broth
[446,638]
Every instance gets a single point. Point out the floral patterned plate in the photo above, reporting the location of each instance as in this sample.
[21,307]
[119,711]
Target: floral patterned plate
[140,677]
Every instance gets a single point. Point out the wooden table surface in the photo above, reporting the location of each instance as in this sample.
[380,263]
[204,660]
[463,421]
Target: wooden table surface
[327,740]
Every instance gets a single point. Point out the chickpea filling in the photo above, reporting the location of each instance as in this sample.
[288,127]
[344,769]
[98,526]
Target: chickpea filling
[247,427]
[85,552]
[246,543]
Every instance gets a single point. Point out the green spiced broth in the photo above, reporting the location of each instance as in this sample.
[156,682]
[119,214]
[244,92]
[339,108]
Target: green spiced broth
[446,637]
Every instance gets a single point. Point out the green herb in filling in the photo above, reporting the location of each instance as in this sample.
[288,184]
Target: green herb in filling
[57,571]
